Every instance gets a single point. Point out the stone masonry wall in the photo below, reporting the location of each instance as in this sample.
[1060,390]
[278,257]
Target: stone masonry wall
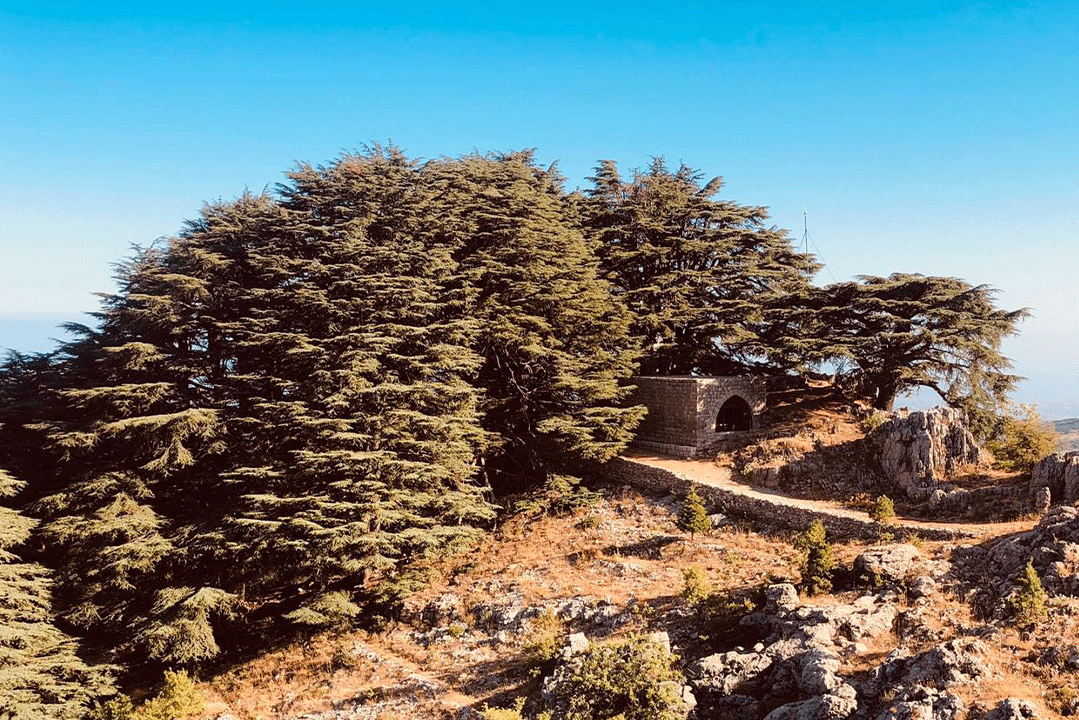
[671,422]
[769,513]
[682,410]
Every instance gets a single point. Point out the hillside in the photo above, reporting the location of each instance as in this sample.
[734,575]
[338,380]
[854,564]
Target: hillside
[1069,433]
[479,634]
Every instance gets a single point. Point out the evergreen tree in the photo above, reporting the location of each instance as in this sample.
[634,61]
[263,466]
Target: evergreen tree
[41,676]
[128,422]
[693,518]
[907,331]
[370,429]
[1027,601]
[553,341]
[817,561]
[706,280]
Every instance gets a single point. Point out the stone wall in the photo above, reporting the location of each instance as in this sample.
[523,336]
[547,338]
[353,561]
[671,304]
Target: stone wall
[682,410]
[766,512]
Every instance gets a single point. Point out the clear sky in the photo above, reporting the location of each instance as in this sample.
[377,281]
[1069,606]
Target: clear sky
[940,138]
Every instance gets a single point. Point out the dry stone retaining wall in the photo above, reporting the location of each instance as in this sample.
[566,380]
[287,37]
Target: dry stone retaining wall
[765,511]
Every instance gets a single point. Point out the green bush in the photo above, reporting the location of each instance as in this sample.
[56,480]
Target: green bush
[695,586]
[817,560]
[693,518]
[544,642]
[628,680]
[883,510]
[1027,601]
[1021,442]
[118,708]
[179,698]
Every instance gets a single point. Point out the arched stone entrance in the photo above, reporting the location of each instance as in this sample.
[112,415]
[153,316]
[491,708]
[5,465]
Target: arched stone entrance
[734,415]
[688,414]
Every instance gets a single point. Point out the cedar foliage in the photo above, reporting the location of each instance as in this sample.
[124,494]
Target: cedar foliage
[693,518]
[707,281]
[287,408]
[907,331]
[1021,441]
[41,676]
[817,561]
[553,341]
[1027,601]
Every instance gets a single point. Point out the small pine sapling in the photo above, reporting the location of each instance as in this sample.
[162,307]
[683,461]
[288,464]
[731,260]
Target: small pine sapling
[1027,601]
[818,561]
[693,518]
[883,510]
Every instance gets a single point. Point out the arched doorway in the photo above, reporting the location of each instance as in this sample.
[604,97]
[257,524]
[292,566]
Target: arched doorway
[734,415]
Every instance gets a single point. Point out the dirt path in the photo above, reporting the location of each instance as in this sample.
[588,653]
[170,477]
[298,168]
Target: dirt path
[709,473]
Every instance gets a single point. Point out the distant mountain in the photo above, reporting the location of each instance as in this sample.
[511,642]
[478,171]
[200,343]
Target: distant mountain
[1069,433]
[1067,426]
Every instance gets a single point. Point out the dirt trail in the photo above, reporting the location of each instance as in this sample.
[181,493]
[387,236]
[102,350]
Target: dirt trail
[708,472]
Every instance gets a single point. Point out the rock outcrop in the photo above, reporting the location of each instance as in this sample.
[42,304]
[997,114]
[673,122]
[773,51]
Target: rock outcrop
[1060,473]
[890,563]
[1052,546]
[919,450]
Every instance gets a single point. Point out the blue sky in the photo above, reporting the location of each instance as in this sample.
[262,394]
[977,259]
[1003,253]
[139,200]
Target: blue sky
[940,138]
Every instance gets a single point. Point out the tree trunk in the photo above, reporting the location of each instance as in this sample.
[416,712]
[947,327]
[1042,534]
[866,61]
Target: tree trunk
[885,399]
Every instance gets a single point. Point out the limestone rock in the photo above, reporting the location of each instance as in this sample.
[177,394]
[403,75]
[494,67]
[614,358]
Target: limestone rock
[919,450]
[922,703]
[890,563]
[1053,547]
[953,663]
[1043,500]
[575,643]
[1013,709]
[782,597]
[826,707]
[1060,473]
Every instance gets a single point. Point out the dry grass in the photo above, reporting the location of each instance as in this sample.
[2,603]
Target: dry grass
[625,551]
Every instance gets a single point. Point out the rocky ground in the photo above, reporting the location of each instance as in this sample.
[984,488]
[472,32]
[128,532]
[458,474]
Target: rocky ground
[911,632]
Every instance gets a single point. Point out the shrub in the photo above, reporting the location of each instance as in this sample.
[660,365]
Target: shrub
[628,680]
[817,561]
[513,713]
[179,698]
[118,708]
[695,586]
[1021,442]
[693,518]
[873,420]
[883,510]
[544,642]
[1027,601]
[560,494]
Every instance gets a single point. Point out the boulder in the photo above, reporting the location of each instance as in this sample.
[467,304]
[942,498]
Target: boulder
[724,673]
[1013,709]
[890,563]
[782,597]
[919,450]
[1052,546]
[954,663]
[1060,473]
[922,703]
[826,707]
[1043,500]
[575,643]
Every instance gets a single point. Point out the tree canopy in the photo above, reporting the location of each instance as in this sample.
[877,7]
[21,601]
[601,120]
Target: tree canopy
[907,331]
[286,409]
[707,280]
